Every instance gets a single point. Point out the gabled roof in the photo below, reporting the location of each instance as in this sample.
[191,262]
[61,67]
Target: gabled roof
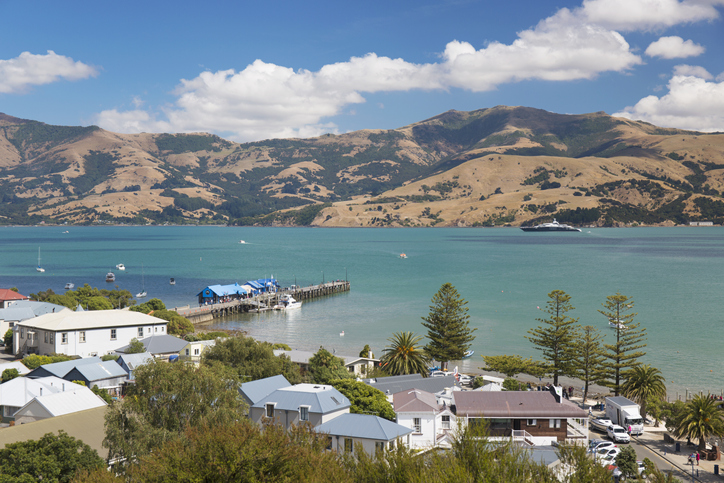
[132,361]
[302,357]
[38,308]
[320,398]
[363,426]
[415,401]
[160,344]
[394,384]
[60,369]
[98,372]
[21,390]
[221,290]
[94,319]
[19,366]
[514,404]
[7,294]
[16,314]
[255,391]
[67,402]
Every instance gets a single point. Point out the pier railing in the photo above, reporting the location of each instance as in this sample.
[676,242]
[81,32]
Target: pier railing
[260,302]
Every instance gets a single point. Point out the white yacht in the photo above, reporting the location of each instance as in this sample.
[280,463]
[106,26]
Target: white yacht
[39,269]
[121,266]
[552,226]
[287,302]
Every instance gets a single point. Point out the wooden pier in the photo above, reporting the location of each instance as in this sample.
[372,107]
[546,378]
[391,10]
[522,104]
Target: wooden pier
[258,303]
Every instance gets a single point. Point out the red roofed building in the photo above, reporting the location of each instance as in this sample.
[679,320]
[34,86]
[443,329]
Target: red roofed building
[8,296]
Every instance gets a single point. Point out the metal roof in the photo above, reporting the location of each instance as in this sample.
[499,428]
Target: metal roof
[99,371]
[160,344]
[414,401]
[221,290]
[70,320]
[66,402]
[255,391]
[60,369]
[21,390]
[38,308]
[19,366]
[16,314]
[132,361]
[320,398]
[514,404]
[395,384]
[620,400]
[363,426]
[302,357]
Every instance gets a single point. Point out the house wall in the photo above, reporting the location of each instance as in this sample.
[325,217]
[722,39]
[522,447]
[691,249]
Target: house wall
[33,411]
[541,429]
[288,418]
[368,445]
[425,438]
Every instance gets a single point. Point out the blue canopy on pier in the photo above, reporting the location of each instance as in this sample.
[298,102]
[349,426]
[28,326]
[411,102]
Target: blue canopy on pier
[255,285]
[222,291]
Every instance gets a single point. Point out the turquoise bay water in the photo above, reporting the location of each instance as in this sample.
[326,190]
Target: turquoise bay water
[674,276]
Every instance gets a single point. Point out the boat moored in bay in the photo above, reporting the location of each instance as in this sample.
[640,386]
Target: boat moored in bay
[552,226]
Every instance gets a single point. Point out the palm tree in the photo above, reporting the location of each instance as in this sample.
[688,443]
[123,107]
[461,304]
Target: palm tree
[404,355]
[702,418]
[644,382]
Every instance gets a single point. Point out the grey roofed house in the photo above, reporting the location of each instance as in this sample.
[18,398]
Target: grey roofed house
[38,308]
[104,374]
[130,362]
[515,405]
[352,363]
[363,426]
[58,404]
[60,369]
[394,384]
[17,392]
[254,391]
[320,398]
[160,345]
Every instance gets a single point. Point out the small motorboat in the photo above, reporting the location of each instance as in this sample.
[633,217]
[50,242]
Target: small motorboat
[242,242]
[617,324]
[110,277]
[600,424]
[69,286]
[341,334]
[468,354]
[402,255]
[121,266]
[172,282]
[287,302]
[141,295]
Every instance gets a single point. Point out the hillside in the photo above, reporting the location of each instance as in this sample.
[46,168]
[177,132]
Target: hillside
[503,165]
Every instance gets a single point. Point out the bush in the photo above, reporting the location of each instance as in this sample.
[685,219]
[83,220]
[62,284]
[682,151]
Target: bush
[33,361]
[9,374]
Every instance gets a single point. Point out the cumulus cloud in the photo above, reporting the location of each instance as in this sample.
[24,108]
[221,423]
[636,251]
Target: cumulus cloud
[691,103]
[692,70]
[25,70]
[674,48]
[629,15]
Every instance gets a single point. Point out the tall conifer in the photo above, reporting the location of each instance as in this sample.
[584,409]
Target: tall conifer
[624,354]
[556,339]
[447,326]
[589,358]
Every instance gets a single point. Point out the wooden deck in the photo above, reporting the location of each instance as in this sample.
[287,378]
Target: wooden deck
[258,303]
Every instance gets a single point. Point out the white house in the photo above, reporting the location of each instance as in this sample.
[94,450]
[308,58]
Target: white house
[17,392]
[193,351]
[428,421]
[58,404]
[359,366]
[313,403]
[83,334]
[372,432]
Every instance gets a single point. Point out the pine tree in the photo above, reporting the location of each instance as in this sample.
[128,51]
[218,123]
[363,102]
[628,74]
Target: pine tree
[589,358]
[556,338]
[447,326]
[624,354]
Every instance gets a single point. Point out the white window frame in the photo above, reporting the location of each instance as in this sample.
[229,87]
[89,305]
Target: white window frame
[554,423]
[64,338]
[268,406]
[196,351]
[140,332]
[81,336]
[531,422]
[113,334]
[417,425]
[304,413]
[445,421]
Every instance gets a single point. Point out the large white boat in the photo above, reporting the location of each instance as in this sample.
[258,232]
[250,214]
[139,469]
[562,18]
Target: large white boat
[121,266]
[110,277]
[39,269]
[287,302]
[552,226]
[69,286]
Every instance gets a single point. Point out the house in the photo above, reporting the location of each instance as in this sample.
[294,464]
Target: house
[60,369]
[129,362]
[19,310]
[312,403]
[107,375]
[372,432]
[355,364]
[394,384]
[536,418]
[8,296]
[17,392]
[83,334]
[193,351]
[429,422]
[58,404]
[254,391]
[220,293]
[160,346]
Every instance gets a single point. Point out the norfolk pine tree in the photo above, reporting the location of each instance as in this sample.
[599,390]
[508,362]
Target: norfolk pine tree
[557,338]
[624,354]
[447,326]
[589,358]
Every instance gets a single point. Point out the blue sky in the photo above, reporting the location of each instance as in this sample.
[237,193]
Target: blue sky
[257,70]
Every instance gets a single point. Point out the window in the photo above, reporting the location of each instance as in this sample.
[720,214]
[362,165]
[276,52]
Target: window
[329,442]
[81,336]
[196,352]
[113,334]
[140,332]
[22,332]
[156,329]
[163,328]
[149,330]
[12,324]
[417,425]
[379,446]
[51,337]
[304,413]
[270,410]
[348,445]
[532,422]
[446,422]
[554,423]
[46,337]
[63,337]
[187,352]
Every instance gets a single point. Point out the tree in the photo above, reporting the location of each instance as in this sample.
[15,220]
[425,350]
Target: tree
[703,418]
[165,401]
[51,458]
[624,354]
[404,355]
[626,462]
[512,365]
[589,358]
[643,383]
[324,367]
[8,339]
[365,352]
[365,399]
[9,374]
[250,359]
[447,326]
[556,338]
[135,347]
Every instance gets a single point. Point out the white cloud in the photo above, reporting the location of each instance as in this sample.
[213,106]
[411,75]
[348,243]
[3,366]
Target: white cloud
[674,48]
[692,70]
[691,103]
[629,15]
[25,70]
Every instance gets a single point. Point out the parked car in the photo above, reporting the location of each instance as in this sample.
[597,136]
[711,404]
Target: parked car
[618,434]
[440,373]
[607,456]
[601,444]
[465,379]
[641,468]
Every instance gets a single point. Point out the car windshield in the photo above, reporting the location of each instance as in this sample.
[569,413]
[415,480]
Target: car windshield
[619,430]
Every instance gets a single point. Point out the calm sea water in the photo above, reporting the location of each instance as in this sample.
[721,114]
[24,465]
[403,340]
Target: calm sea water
[674,276]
